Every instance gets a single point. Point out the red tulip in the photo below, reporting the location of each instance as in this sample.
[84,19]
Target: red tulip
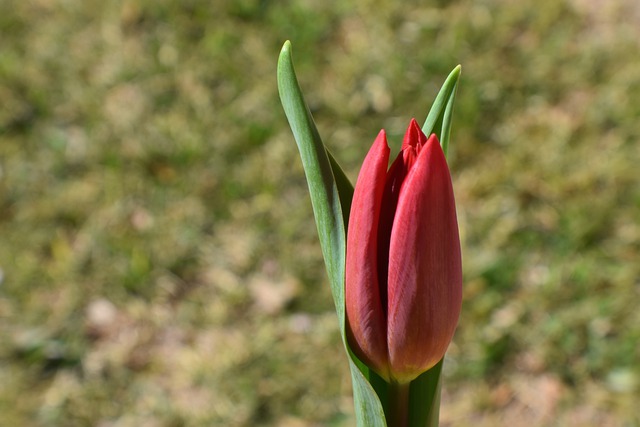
[403,266]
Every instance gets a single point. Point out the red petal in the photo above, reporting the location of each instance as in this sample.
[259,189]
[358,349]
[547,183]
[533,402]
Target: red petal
[413,141]
[414,136]
[366,320]
[395,176]
[425,267]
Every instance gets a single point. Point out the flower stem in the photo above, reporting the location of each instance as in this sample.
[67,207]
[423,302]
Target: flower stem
[398,405]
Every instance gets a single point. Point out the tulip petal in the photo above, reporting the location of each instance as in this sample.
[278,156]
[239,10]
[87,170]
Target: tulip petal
[425,267]
[366,319]
[395,176]
[413,140]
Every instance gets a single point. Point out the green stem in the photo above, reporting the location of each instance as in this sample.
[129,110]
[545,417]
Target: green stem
[398,405]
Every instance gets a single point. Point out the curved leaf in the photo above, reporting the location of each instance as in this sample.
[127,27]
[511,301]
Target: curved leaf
[424,395]
[439,118]
[331,210]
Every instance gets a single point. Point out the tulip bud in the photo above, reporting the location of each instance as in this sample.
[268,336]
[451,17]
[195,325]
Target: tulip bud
[403,263]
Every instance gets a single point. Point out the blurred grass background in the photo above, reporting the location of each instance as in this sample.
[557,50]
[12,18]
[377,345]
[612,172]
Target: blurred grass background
[159,264]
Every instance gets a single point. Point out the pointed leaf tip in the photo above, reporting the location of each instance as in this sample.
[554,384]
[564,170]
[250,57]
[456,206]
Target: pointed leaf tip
[286,47]
[439,118]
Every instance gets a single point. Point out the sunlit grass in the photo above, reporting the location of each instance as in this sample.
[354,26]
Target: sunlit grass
[159,263]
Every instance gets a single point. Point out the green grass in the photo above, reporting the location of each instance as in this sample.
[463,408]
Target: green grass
[159,262]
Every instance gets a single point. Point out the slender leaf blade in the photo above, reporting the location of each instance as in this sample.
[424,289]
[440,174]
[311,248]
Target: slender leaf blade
[331,209]
[447,116]
[322,186]
[439,118]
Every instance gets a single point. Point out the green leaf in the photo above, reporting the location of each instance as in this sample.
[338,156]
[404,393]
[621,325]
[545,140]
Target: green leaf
[439,118]
[345,189]
[424,398]
[325,198]
[368,408]
[424,394]
[331,210]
